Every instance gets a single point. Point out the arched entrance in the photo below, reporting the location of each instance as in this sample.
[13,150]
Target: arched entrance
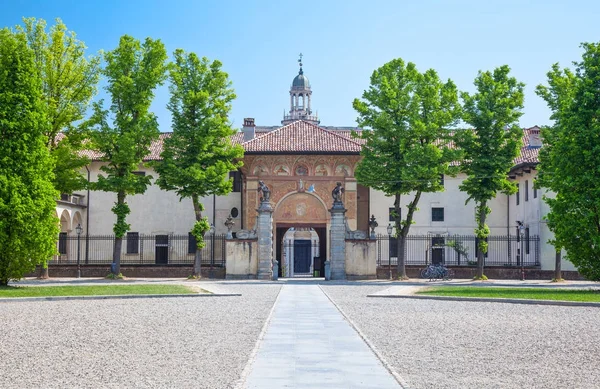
[300,223]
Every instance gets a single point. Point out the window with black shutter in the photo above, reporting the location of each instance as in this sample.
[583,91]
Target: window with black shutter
[441,179]
[526,240]
[437,214]
[191,243]
[534,190]
[518,195]
[133,242]
[237,180]
[526,190]
[62,243]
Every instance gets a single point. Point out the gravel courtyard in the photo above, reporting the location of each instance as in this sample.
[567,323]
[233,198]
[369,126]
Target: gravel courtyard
[201,342]
[205,342]
[445,344]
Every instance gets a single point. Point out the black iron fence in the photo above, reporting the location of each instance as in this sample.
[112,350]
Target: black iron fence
[139,249]
[461,250]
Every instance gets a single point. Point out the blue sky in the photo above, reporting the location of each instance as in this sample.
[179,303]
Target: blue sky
[342,42]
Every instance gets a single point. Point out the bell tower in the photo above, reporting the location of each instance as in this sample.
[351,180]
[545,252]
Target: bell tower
[300,94]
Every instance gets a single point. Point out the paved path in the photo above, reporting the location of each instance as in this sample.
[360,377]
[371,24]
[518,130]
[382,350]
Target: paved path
[309,344]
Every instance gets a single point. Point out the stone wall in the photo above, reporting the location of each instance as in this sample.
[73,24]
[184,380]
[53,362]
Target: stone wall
[361,259]
[242,259]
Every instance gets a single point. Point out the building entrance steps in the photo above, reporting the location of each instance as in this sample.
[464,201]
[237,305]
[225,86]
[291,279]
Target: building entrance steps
[309,344]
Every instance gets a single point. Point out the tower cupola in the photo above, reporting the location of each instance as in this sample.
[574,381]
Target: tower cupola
[300,94]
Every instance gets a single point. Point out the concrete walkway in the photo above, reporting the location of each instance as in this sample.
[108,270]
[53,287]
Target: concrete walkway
[309,344]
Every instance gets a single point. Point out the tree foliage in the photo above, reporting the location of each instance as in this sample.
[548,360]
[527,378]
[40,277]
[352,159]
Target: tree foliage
[28,227]
[199,155]
[491,145]
[69,82]
[133,71]
[407,150]
[570,160]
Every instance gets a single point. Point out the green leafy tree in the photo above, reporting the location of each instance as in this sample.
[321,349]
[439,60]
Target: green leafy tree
[409,114]
[28,227]
[490,146]
[199,155]
[570,159]
[69,81]
[133,71]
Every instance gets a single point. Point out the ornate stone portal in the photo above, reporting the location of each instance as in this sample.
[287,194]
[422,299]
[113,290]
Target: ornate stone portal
[287,175]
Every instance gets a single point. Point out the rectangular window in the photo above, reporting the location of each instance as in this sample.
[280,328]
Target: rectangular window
[139,173]
[237,181]
[133,242]
[534,190]
[441,179]
[191,243]
[437,214]
[526,190]
[62,243]
[518,194]
[526,240]
[392,212]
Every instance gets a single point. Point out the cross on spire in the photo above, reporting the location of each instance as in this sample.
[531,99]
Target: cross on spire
[300,64]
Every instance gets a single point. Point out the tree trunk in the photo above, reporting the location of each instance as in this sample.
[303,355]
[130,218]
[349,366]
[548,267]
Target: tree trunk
[401,258]
[44,275]
[480,254]
[118,237]
[117,255]
[558,266]
[197,271]
[403,232]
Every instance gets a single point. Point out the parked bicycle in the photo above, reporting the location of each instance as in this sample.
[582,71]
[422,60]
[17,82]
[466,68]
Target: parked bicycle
[437,272]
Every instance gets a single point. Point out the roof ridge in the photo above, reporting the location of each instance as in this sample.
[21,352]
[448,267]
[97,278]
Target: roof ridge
[341,136]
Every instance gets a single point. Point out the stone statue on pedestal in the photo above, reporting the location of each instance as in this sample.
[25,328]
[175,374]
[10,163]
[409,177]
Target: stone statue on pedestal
[265,192]
[337,193]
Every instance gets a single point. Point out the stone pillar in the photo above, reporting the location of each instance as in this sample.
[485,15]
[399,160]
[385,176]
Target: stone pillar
[264,232]
[337,244]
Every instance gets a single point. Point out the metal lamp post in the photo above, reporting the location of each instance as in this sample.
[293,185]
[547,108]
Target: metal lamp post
[211,231]
[390,229]
[521,232]
[521,227]
[78,230]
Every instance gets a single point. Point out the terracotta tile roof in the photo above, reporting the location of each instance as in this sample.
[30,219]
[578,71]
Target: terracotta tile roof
[156,148]
[238,137]
[348,134]
[301,137]
[529,155]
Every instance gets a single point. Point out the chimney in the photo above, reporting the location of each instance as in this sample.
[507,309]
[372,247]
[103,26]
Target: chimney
[535,140]
[249,129]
